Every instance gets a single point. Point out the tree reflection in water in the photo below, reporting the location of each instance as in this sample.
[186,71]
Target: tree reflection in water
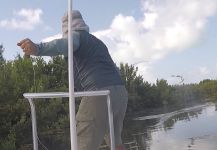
[144,130]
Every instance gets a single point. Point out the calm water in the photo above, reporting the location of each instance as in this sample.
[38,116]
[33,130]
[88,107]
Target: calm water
[193,128]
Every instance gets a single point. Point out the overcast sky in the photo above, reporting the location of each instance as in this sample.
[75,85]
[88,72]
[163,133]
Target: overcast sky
[162,37]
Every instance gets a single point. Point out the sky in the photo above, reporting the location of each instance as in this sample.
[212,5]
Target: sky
[165,39]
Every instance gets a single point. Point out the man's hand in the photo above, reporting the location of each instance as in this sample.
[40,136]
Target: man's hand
[29,48]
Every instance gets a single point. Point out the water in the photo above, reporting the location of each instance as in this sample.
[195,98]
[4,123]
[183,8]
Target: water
[194,128]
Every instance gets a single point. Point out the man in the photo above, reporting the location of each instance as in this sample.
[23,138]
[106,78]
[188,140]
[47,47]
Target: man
[94,69]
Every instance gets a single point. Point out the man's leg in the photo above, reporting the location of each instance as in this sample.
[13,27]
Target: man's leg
[120,147]
[118,95]
[92,122]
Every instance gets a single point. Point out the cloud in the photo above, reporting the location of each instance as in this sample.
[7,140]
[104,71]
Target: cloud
[50,38]
[24,19]
[198,74]
[167,26]
[204,71]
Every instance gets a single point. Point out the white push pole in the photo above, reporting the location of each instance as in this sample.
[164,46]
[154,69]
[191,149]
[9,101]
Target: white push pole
[73,133]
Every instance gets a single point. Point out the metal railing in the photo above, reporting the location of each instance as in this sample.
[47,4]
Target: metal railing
[32,96]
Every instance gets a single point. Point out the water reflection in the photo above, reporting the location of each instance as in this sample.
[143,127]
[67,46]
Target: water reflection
[187,129]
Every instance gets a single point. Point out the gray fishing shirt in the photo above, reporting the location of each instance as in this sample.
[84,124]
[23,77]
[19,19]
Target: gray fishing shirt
[93,65]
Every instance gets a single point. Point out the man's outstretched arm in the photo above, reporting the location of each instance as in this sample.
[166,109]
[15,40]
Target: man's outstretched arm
[52,48]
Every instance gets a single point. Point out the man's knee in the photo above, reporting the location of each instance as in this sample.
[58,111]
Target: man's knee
[120,147]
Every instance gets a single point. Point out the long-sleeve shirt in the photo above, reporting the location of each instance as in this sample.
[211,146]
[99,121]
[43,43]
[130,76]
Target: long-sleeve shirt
[93,66]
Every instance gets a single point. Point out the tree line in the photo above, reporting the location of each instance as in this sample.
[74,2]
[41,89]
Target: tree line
[23,75]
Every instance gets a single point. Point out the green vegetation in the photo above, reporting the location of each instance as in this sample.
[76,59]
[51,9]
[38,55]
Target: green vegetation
[36,75]
[144,95]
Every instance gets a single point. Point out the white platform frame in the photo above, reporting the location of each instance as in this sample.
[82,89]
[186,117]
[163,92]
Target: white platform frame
[71,95]
[32,96]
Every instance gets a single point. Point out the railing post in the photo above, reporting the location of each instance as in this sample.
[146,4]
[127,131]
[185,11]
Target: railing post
[34,124]
[111,125]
